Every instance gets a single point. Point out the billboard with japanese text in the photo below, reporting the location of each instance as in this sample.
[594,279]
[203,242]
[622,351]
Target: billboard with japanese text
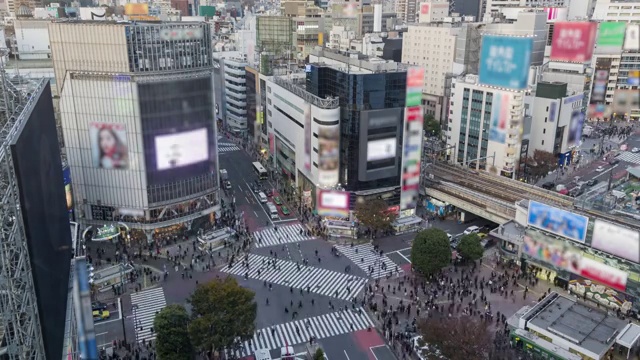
[505,61]
[557,221]
[573,41]
[610,36]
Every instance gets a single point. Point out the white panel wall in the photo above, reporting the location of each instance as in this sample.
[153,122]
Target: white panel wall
[32,39]
[325,115]
[91,100]
[543,129]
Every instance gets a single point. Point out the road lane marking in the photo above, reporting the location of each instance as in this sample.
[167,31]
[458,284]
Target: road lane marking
[104,333]
[345,354]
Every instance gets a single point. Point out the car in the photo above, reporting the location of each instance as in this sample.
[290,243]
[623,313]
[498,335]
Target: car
[614,162]
[277,200]
[285,210]
[548,185]
[575,192]
[482,235]
[635,150]
[600,168]
[471,230]
[99,315]
[564,191]
[268,192]
[256,189]
[592,182]
[98,306]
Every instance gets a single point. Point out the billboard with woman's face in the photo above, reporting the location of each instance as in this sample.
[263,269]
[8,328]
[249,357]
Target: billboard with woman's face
[109,145]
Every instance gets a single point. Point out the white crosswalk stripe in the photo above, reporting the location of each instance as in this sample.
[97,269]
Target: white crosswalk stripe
[284,235]
[145,305]
[286,273]
[224,148]
[366,258]
[629,157]
[322,327]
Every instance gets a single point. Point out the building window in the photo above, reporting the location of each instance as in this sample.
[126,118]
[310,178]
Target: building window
[315,165]
[269,112]
[269,89]
[544,131]
[542,142]
[269,101]
[545,119]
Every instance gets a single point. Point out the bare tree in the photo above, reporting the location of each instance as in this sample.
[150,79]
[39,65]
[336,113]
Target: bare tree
[460,338]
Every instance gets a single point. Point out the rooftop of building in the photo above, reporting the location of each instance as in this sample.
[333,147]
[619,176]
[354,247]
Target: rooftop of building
[356,61]
[28,64]
[589,328]
[123,22]
[510,230]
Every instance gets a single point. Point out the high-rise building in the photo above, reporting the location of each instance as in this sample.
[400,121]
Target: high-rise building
[275,42]
[137,116]
[230,90]
[406,10]
[612,10]
[485,126]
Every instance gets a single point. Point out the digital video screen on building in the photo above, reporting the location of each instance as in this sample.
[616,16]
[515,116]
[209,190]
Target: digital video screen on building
[36,157]
[382,149]
[179,137]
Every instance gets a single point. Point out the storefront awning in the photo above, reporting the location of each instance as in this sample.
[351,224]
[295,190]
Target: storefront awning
[409,220]
[629,336]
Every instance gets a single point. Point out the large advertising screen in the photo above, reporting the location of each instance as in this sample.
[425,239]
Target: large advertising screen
[382,149]
[599,88]
[610,36]
[575,128]
[505,61]
[573,41]
[411,157]
[556,221]
[179,140]
[109,145]
[307,137]
[36,157]
[616,240]
[328,155]
[632,38]
[182,149]
[499,117]
[333,203]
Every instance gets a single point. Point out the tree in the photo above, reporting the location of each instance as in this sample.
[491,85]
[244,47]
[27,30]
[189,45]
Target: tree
[470,247]
[430,251]
[375,214]
[458,338]
[431,125]
[222,313]
[541,163]
[171,326]
[318,355]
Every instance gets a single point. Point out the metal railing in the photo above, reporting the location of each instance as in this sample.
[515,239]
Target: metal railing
[296,89]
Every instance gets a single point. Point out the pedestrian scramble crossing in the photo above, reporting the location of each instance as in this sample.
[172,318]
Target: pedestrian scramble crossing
[280,235]
[146,304]
[224,148]
[629,157]
[366,258]
[288,273]
[300,331]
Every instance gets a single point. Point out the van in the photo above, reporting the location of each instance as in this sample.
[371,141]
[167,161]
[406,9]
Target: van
[273,210]
[262,197]
[471,230]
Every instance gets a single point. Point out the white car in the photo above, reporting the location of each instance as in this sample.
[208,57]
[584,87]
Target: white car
[635,150]
[600,168]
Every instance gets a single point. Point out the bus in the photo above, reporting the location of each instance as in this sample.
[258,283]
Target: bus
[260,170]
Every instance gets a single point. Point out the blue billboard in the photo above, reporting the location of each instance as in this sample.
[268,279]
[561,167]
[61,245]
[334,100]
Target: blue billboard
[557,221]
[505,61]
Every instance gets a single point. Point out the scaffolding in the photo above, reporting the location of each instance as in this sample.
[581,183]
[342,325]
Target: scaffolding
[19,321]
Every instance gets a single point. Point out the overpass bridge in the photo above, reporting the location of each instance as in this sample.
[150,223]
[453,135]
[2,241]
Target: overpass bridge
[494,197]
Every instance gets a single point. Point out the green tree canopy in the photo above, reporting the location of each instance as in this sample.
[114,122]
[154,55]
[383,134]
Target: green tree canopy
[222,312]
[541,163]
[457,338]
[470,247]
[375,214]
[171,326]
[430,251]
[318,355]
[431,125]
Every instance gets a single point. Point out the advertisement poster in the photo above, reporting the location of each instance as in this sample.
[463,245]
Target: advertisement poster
[424,9]
[412,153]
[136,9]
[553,109]
[499,118]
[632,38]
[333,203]
[181,149]
[505,61]
[625,101]
[611,36]
[599,87]
[616,240]
[573,41]
[415,83]
[328,155]
[556,221]
[575,128]
[307,137]
[272,144]
[109,148]
[381,149]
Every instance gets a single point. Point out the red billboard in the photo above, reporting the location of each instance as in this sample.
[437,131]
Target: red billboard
[573,41]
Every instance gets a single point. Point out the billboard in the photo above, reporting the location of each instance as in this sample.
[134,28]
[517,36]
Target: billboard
[575,128]
[499,117]
[109,148]
[556,14]
[208,11]
[307,137]
[625,101]
[616,240]
[382,149]
[66,174]
[564,256]
[505,61]
[599,87]
[415,83]
[136,9]
[328,155]
[36,159]
[179,139]
[573,41]
[632,38]
[83,311]
[610,36]
[553,111]
[411,156]
[556,221]
[333,203]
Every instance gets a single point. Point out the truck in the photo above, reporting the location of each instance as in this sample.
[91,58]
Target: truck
[224,179]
